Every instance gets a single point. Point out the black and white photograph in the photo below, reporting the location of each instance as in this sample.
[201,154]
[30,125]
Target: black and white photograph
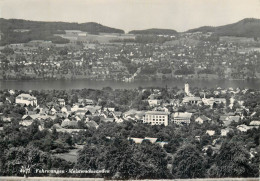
[142,90]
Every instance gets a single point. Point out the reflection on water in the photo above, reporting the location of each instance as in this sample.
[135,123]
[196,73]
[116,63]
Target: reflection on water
[80,84]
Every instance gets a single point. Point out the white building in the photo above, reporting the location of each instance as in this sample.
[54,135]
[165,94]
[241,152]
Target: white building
[182,117]
[211,101]
[156,118]
[61,102]
[26,99]
[154,102]
[202,119]
[192,100]
[187,89]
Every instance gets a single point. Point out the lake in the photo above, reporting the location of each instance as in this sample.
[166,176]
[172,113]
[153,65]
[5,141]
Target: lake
[80,84]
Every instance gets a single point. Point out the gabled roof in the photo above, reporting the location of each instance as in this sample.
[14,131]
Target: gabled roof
[26,96]
[26,117]
[254,123]
[204,118]
[91,124]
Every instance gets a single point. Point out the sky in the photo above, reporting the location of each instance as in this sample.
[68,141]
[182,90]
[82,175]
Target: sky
[179,15]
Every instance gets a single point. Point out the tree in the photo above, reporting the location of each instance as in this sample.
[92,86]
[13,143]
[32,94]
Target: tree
[232,161]
[189,163]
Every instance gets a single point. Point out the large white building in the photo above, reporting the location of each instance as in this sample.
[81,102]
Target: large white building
[156,118]
[26,99]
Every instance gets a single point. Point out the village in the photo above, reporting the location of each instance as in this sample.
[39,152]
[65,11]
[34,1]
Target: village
[108,57]
[222,110]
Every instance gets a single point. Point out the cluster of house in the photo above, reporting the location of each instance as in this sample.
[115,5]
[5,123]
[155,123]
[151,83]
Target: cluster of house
[86,109]
[102,62]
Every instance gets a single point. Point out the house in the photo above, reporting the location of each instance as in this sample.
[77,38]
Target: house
[26,99]
[118,116]
[192,100]
[136,140]
[154,102]
[26,122]
[82,112]
[11,92]
[64,110]
[6,120]
[156,118]
[61,102]
[254,123]
[108,120]
[162,143]
[27,117]
[211,101]
[119,120]
[181,117]
[224,132]
[91,124]
[95,110]
[52,111]
[89,102]
[202,119]
[243,128]
[69,123]
[109,109]
[210,132]
[228,119]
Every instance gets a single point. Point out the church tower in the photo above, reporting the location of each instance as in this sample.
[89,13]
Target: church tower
[187,88]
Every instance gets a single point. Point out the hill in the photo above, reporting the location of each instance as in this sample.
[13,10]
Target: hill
[154,31]
[249,27]
[38,30]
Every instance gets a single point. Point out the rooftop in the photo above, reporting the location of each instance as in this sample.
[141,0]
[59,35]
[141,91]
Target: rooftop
[157,113]
[182,114]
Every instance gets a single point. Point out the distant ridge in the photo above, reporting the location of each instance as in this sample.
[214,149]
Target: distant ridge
[249,27]
[39,30]
[154,31]
[27,24]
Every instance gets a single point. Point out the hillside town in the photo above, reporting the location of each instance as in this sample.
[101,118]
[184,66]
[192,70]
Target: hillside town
[126,57]
[172,120]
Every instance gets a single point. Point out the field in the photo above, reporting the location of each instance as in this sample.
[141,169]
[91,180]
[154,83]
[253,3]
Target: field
[101,38]
[236,39]
[70,156]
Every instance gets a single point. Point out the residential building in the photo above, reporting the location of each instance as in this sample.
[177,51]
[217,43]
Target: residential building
[154,102]
[202,119]
[26,99]
[156,118]
[61,102]
[210,132]
[182,117]
[227,120]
